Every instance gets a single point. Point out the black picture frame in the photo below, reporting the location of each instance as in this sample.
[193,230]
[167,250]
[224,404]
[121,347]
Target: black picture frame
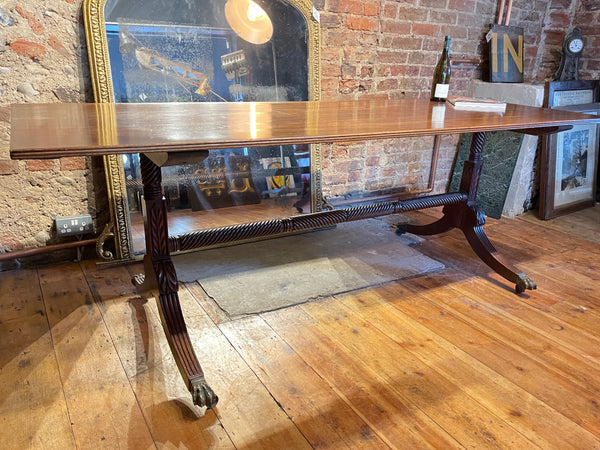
[569,159]
[572,92]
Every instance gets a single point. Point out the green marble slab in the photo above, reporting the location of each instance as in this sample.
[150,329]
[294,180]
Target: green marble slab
[500,154]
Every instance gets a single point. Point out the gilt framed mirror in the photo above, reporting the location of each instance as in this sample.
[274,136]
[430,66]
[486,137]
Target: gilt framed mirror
[206,51]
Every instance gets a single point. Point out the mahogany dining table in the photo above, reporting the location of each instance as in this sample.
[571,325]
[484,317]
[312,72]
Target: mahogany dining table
[159,131]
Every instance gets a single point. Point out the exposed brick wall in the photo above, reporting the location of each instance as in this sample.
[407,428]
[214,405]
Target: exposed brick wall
[560,18]
[42,59]
[374,48]
[389,49]
[587,18]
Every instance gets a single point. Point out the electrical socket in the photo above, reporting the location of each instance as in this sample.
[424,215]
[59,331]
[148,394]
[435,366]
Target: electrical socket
[72,225]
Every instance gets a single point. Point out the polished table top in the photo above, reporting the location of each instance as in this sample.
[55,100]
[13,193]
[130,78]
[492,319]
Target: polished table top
[56,130]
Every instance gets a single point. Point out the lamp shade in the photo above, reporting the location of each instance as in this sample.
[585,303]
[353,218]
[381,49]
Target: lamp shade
[249,21]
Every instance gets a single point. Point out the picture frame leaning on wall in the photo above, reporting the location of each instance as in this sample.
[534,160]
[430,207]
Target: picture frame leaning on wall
[569,159]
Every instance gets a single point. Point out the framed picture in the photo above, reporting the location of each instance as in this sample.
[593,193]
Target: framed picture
[574,92]
[569,165]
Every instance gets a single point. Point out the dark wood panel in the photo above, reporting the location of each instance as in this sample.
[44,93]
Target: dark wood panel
[69,129]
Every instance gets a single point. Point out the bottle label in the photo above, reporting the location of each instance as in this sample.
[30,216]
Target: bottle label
[441,90]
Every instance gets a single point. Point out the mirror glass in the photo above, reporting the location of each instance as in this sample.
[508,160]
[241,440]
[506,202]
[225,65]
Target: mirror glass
[188,51]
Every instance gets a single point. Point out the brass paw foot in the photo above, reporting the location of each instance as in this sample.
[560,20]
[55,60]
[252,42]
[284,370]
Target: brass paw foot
[524,282]
[202,394]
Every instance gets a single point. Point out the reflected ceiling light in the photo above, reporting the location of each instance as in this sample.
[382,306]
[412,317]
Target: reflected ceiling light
[249,21]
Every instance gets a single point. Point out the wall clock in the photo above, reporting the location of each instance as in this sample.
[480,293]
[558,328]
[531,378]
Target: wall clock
[569,59]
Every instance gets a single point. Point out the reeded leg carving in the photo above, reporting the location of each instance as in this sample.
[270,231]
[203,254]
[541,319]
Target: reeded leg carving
[160,274]
[472,228]
[470,219]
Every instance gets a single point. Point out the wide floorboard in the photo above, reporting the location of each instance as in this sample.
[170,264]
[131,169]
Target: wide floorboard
[453,359]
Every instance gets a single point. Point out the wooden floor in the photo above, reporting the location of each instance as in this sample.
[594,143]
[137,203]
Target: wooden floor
[450,360]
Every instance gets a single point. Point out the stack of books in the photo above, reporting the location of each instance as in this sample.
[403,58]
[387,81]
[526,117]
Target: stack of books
[476,104]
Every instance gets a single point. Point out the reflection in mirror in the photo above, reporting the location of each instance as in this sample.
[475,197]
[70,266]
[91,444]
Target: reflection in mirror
[188,51]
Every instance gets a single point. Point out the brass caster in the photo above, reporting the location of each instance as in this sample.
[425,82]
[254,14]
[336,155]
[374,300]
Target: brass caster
[202,394]
[523,283]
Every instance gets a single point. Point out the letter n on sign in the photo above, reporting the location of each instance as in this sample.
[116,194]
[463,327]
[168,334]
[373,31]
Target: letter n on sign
[506,54]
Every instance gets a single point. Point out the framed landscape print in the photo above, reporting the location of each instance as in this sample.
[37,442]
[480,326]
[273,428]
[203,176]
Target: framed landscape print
[569,166]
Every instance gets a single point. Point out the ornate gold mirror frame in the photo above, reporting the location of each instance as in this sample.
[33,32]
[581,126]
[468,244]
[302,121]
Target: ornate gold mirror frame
[119,229]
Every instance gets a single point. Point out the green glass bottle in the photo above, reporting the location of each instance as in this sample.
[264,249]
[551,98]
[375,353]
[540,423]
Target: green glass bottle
[441,76]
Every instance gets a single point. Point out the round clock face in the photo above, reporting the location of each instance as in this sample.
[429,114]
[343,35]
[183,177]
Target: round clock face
[576,45]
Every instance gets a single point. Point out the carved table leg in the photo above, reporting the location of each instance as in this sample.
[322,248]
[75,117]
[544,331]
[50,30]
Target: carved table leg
[160,273]
[470,219]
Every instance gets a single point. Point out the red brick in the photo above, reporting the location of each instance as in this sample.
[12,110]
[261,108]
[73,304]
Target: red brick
[434,4]
[336,178]
[591,65]
[330,20]
[339,151]
[36,165]
[371,9]
[366,71]
[422,58]
[443,16]
[384,70]
[425,29]
[73,163]
[387,84]
[329,87]
[388,171]
[407,43]
[412,14]
[55,43]
[342,166]
[559,19]
[404,70]
[10,240]
[28,48]
[560,4]
[457,32]
[365,85]
[35,24]
[394,26]
[348,71]
[353,177]
[462,5]
[330,70]
[392,57]
[554,37]
[390,11]
[330,54]
[347,86]
[346,6]
[372,161]
[339,39]
[362,23]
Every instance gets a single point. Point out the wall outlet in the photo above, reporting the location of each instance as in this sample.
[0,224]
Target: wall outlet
[72,225]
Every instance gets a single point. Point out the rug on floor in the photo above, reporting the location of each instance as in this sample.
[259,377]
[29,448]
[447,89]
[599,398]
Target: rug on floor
[276,273]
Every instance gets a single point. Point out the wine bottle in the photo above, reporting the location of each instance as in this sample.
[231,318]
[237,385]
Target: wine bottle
[441,76]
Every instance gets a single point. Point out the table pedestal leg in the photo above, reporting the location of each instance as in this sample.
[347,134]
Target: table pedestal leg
[468,217]
[160,274]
